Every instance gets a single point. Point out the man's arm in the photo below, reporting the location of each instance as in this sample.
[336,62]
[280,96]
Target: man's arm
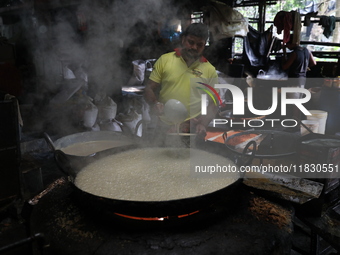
[312,61]
[204,120]
[211,114]
[289,61]
[150,92]
[151,97]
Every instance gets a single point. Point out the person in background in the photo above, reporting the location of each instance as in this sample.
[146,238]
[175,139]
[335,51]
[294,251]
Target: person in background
[298,62]
[176,75]
[297,65]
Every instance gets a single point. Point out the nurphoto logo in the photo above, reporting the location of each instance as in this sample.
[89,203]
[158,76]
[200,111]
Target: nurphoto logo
[238,104]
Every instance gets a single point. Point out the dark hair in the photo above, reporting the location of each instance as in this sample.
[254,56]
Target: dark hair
[197,29]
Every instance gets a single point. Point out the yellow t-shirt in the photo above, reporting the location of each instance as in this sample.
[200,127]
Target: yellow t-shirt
[178,81]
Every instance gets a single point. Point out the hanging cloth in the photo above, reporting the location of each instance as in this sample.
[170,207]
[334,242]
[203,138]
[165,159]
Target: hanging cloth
[284,21]
[328,24]
[288,21]
[296,27]
[256,46]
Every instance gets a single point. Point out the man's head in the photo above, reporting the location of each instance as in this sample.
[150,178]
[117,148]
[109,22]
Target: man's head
[193,40]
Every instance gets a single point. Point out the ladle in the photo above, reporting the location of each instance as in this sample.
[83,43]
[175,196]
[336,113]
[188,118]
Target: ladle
[175,112]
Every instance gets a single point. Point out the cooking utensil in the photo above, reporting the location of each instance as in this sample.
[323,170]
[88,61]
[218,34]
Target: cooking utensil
[274,144]
[87,137]
[175,111]
[242,145]
[144,208]
[69,161]
[262,75]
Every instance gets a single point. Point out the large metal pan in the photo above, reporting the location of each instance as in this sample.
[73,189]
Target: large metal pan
[86,137]
[68,162]
[160,209]
[269,143]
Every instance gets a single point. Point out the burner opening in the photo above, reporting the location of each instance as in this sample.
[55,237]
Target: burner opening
[157,218]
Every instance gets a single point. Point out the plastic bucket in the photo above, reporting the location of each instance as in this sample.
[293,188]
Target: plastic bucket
[313,125]
[320,116]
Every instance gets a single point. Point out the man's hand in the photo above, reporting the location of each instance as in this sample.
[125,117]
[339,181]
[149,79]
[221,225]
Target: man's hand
[158,108]
[201,130]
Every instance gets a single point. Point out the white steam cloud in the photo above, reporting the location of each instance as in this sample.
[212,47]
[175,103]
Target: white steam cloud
[111,26]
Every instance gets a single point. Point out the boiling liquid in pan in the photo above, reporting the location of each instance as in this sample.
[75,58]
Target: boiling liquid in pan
[153,174]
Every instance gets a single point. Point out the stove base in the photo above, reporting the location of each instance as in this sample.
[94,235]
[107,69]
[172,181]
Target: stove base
[220,229]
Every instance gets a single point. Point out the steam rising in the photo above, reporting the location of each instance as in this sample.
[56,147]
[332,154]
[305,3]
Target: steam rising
[111,27]
[273,73]
[67,55]
[276,72]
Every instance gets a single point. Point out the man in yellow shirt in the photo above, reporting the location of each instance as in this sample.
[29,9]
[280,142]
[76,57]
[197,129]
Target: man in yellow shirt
[179,75]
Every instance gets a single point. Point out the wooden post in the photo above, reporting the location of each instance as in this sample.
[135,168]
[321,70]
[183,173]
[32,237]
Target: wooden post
[262,16]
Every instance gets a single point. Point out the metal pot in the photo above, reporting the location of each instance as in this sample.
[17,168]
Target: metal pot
[268,80]
[262,75]
[69,162]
